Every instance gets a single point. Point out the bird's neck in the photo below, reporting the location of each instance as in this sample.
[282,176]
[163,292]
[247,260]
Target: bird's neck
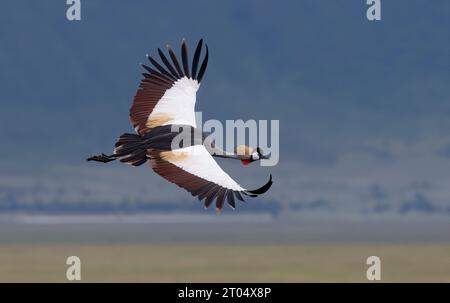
[225,154]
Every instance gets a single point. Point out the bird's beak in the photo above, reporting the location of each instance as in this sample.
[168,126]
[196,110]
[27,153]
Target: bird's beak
[264,157]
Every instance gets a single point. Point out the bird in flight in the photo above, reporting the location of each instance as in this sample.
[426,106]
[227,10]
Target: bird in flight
[163,108]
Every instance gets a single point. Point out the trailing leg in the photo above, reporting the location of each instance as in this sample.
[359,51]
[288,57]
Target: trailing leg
[102,158]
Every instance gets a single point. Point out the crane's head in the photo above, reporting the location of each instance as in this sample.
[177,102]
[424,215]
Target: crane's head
[249,155]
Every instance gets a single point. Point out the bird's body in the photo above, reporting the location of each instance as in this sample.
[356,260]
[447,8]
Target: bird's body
[162,111]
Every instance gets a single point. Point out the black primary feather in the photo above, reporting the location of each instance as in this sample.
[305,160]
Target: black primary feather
[175,61]
[205,193]
[211,195]
[196,59]
[184,57]
[220,198]
[239,196]
[167,64]
[157,74]
[262,189]
[203,67]
[230,198]
[160,68]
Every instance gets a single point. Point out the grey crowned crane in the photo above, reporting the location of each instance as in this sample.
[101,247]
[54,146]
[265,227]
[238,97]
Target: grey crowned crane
[163,107]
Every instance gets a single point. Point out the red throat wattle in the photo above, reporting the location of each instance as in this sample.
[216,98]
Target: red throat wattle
[246,161]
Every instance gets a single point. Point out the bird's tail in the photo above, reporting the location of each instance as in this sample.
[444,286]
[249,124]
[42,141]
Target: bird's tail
[131,149]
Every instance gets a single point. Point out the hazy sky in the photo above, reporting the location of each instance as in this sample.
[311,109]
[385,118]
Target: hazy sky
[364,107]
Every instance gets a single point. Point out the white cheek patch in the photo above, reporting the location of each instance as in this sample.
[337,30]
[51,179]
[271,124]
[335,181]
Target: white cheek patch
[255,156]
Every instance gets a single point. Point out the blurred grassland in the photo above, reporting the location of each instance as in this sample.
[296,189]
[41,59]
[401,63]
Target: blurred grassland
[225,262]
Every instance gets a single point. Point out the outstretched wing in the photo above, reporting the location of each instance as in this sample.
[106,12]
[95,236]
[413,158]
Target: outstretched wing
[167,94]
[195,170]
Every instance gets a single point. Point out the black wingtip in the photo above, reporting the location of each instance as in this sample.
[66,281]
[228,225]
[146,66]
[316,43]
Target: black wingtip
[203,66]
[184,58]
[263,188]
[167,64]
[147,68]
[175,61]
[161,69]
[196,59]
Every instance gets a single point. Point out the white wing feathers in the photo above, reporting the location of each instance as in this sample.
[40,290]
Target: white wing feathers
[200,163]
[177,104]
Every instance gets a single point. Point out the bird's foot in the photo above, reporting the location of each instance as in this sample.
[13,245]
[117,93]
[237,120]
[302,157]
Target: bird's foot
[102,158]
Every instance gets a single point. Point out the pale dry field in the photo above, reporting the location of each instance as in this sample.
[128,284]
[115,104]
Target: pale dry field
[225,262]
